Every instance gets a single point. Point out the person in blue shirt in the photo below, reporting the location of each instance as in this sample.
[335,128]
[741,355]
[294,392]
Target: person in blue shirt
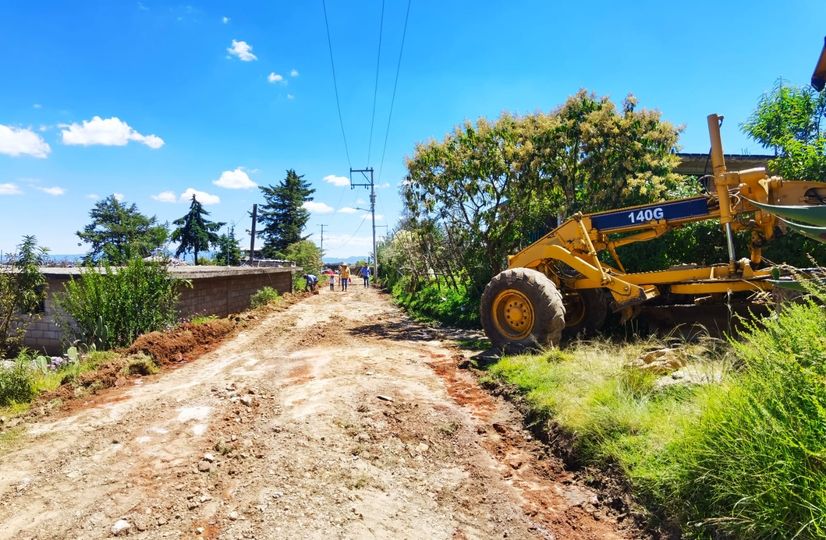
[365,275]
[311,282]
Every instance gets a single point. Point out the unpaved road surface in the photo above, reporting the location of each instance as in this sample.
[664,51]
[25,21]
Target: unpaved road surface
[336,418]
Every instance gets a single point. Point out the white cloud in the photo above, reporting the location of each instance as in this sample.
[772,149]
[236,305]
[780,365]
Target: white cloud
[10,189]
[383,185]
[347,210]
[318,207]
[237,179]
[339,181]
[201,196]
[274,77]
[293,72]
[290,97]
[367,216]
[22,142]
[106,132]
[54,191]
[225,20]
[118,196]
[93,196]
[37,106]
[165,196]
[242,50]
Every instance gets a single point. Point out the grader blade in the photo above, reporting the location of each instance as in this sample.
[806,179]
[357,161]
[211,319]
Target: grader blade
[815,233]
[810,214]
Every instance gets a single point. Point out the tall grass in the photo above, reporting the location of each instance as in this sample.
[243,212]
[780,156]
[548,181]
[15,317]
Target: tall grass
[754,465]
[110,307]
[437,301]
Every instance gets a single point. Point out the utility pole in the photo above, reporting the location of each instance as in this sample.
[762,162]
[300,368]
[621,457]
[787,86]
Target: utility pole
[252,232]
[368,182]
[322,241]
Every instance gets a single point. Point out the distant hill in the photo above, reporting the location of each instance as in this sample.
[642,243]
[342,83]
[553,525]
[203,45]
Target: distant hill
[348,260]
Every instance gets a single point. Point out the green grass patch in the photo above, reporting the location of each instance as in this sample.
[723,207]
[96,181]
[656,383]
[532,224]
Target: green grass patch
[742,458]
[264,296]
[10,438]
[438,301]
[203,319]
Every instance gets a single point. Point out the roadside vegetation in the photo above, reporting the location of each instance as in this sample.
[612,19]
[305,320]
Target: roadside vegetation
[733,443]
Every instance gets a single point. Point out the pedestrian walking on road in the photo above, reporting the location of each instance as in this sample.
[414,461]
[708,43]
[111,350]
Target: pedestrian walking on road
[344,276]
[365,275]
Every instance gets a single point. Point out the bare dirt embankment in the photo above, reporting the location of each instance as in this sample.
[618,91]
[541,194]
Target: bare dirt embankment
[337,417]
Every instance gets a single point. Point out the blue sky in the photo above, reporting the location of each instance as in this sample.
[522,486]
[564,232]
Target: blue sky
[152,99]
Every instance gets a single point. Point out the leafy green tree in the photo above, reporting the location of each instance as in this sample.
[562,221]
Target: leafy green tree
[788,120]
[282,216]
[229,252]
[119,232]
[305,254]
[22,292]
[481,192]
[195,233]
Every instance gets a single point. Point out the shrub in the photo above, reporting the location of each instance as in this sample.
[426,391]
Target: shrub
[22,291]
[439,302]
[264,296]
[15,384]
[110,307]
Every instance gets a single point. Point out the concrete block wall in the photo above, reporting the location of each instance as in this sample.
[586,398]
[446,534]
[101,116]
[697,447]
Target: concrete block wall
[214,291]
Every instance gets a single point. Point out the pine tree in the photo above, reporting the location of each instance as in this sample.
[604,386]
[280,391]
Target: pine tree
[229,253]
[119,232]
[283,215]
[194,232]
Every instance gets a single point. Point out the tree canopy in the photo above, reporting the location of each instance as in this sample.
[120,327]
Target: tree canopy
[490,187]
[229,252]
[195,233]
[282,216]
[119,232]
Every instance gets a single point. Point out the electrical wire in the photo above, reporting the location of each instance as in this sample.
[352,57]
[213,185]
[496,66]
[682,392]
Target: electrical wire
[395,86]
[363,219]
[375,85]
[335,84]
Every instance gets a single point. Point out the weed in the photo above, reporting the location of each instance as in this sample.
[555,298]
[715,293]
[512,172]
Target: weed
[16,384]
[203,319]
[10,438]
[264,296]
[140,364]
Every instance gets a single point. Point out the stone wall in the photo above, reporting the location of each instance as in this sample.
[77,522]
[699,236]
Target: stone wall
[215,290]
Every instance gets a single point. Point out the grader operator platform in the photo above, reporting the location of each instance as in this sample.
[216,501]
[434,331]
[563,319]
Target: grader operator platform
[561,282]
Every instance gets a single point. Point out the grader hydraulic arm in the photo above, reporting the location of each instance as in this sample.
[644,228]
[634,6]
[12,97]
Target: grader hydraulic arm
[564,278]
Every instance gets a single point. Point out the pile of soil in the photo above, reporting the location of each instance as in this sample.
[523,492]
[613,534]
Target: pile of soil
[183,343]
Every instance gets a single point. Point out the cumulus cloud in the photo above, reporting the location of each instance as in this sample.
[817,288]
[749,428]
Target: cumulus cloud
[93,196]
[106,132]
[37,106]
[201,196]
[367,215]
[242,50]
[55,191]
[22,142]
[290,97]
[118,196]
[237,179]
[10,189]
[225,20]
[383,185]
[293,72]
[166,196]
[338,181]
[318,207]
[347,210]
[274,77]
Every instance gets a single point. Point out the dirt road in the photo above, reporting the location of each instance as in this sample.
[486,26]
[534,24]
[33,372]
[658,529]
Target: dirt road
[337,418]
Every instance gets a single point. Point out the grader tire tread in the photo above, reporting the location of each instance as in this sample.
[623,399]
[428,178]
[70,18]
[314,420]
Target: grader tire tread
[546,300]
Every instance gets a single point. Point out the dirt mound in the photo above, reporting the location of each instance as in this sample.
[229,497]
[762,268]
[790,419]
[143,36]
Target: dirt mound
[183,343]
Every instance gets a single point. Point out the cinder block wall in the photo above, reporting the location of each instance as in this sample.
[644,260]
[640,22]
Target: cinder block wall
[222,295]
[215,291]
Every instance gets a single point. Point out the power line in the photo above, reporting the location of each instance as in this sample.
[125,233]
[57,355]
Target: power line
[335,84]
[395,85]
[375,86]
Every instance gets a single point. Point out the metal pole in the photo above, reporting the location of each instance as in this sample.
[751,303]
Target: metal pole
[252,233]
[373,211]
[322,241]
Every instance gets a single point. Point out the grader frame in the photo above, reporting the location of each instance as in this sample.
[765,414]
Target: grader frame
[563,271]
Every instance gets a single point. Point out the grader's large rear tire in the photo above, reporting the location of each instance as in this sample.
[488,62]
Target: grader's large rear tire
[522,309]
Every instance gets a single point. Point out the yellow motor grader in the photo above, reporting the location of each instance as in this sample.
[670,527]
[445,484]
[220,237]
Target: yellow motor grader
[562,281]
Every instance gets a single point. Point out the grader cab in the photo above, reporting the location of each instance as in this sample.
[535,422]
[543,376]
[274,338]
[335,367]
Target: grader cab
[562,282]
